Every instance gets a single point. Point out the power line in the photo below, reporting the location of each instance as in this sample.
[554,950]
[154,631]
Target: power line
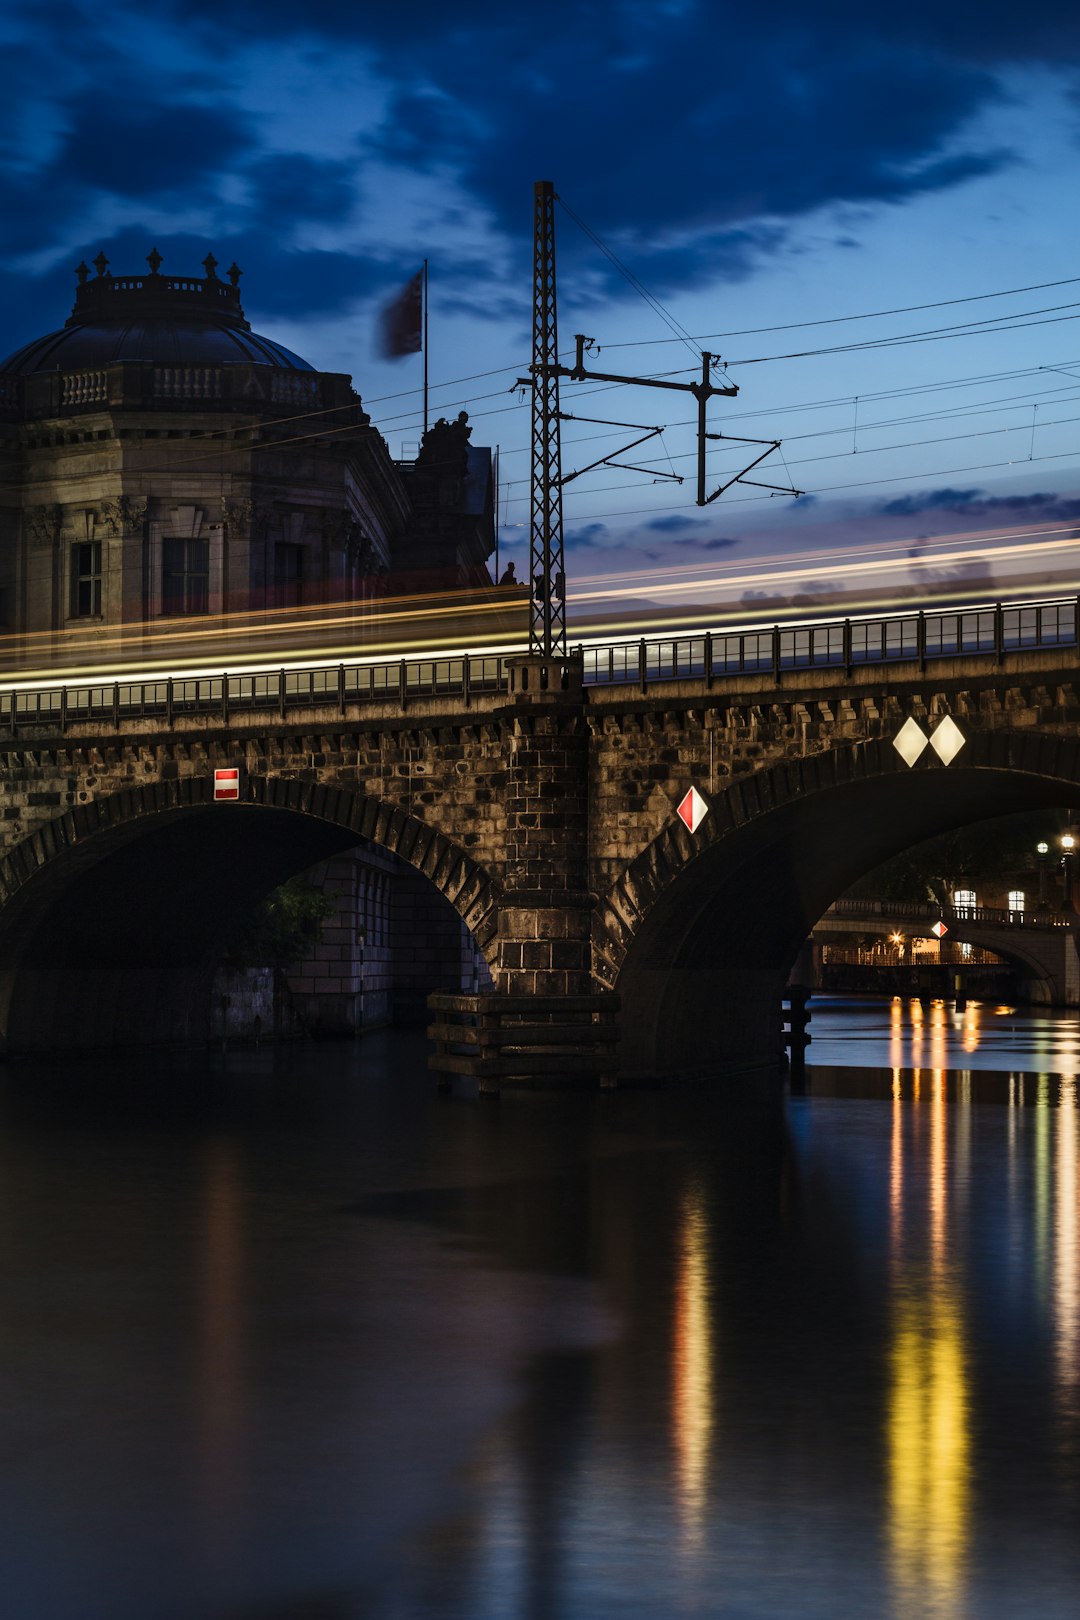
[870,315]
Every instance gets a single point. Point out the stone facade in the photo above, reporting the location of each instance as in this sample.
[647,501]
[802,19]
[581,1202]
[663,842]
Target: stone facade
[161,464]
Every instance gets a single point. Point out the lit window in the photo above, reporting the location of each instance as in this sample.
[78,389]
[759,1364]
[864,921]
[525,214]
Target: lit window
[185,580]
[1016,899]
[86,579]
[965,951]
[964,900]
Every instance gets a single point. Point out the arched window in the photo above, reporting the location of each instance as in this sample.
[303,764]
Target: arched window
[964,900]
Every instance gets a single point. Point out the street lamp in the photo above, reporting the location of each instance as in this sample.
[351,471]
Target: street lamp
[1068,845]
[1042,849]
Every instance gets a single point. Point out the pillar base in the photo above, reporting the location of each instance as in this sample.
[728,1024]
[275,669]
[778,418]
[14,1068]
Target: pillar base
[542,1042]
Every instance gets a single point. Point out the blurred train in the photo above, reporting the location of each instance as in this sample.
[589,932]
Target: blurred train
[812,587]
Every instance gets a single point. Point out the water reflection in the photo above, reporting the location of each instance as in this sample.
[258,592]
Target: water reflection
[220,1389]
[928,1415]
[1066,1252]
[692,1370]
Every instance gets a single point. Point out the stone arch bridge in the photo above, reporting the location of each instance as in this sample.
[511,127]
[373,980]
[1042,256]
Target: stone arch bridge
[540,801]
[1040,946]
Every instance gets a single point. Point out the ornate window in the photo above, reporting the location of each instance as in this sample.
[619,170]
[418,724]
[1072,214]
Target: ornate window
[86,579]
[185,575]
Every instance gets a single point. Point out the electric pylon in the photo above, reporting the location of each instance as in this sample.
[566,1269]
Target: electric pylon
[547,621]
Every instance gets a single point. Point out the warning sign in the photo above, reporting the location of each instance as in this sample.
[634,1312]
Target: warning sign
[693,810]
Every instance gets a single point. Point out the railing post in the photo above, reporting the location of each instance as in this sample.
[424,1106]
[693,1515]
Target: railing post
[403,684]
[465,695]
[281,692]
[999,634]
[776,653]
[848,662]
[708,660]
[642,664]
[920,640]
[63,709]
[116,705]
[341,688]
[225,699]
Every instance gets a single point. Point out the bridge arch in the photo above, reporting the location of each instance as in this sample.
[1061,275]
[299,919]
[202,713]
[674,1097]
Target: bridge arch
[699,933]
[114,915]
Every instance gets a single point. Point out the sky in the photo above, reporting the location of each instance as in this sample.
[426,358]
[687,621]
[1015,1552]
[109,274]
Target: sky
[869,213]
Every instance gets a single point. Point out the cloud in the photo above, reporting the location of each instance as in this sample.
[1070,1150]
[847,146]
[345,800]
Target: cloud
[857,109]
[972,502]
[949,500]
[590,536]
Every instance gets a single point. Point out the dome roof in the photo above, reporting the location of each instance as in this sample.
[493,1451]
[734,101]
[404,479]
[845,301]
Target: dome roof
[165,320]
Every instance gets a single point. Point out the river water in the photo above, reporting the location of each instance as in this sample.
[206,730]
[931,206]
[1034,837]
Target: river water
[287,1335]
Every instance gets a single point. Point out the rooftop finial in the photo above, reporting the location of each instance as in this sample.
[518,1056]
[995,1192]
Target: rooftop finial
[101,263]
[153,259]
[234,273]
[210,266]
[82,270]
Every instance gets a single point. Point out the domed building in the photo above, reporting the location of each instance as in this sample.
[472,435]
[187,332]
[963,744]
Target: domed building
[162,461]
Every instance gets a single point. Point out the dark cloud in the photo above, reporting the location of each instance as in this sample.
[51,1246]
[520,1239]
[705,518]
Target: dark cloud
[950,500]
[149,151]
[694,172]
[691,174]
[589,536]
[972,502]
[291,186]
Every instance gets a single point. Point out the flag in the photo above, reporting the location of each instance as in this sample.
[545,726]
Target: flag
[401,321]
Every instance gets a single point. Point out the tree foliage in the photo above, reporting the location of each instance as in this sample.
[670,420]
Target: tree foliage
[283,928]
[1003,848]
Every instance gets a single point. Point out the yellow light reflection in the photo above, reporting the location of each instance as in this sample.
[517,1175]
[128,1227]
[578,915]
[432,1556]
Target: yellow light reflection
[1066,1250]
[692,1401]
[896,1034]
[1042,1183]
[971,1033]
[928,1440]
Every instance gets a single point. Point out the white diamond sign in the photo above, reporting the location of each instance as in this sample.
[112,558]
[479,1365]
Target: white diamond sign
[693,810]
[910,741]
[939,929]
[947,740]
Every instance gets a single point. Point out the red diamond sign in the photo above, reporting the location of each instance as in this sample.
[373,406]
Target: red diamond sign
[939,929]
[692,811]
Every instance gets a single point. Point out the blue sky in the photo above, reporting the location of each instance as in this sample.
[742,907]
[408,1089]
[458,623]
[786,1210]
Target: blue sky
[756,171]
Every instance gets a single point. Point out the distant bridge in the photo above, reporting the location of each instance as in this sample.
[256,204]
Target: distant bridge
[1041,945]
[538,798]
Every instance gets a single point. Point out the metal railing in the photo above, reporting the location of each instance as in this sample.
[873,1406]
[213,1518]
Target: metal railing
[992,629]
[886,911]
[770,652]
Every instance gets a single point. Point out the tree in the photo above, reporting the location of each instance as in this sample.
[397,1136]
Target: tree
[283,928]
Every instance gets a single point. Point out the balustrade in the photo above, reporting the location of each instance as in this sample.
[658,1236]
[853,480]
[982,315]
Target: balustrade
[706,656]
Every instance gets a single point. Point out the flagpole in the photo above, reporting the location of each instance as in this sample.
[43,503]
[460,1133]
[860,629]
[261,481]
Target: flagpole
[425,345]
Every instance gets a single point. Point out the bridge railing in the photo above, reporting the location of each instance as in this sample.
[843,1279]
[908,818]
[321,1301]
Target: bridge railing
[990,631]
[888,911]
[278,691]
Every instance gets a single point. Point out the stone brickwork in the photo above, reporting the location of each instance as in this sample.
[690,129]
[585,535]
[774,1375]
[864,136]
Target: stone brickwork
[545,816]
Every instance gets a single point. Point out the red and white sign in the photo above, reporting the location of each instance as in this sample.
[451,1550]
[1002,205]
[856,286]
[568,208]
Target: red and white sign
[227,783]
[692,811]
[939,929]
